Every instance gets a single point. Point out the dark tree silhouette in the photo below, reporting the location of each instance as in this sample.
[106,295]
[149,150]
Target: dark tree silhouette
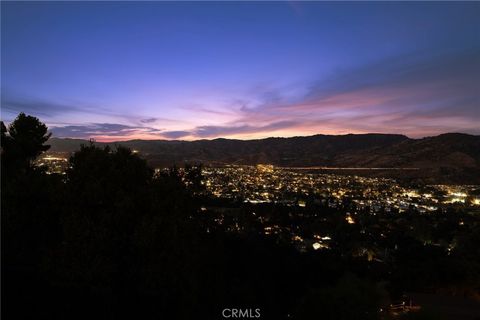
[5,144]
[5,139]
[30,225]
[24,142]
[193,178]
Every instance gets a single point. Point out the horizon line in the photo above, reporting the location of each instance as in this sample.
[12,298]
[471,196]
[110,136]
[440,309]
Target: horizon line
[270,137]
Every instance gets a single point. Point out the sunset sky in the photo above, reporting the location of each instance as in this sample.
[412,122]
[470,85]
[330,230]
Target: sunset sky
[184,70]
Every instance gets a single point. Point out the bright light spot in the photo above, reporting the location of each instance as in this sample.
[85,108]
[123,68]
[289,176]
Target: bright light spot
[349,219]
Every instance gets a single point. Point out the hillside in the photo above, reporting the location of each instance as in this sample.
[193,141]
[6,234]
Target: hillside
[451,157]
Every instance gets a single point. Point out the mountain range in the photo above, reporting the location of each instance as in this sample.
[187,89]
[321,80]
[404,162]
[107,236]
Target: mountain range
[446,158]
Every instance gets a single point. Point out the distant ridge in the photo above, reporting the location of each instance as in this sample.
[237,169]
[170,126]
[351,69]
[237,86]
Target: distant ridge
[450,157]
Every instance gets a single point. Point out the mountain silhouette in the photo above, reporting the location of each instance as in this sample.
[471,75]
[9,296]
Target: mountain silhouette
[450,157]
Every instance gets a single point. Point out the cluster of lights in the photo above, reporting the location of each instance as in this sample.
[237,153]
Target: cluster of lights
[269,184]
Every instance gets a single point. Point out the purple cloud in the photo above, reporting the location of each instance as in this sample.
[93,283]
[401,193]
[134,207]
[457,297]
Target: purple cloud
[101,129]
[175,134]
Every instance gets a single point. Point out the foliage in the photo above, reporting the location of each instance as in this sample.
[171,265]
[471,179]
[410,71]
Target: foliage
[25,140]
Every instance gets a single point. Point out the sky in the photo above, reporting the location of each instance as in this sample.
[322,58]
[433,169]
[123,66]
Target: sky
[202,70]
